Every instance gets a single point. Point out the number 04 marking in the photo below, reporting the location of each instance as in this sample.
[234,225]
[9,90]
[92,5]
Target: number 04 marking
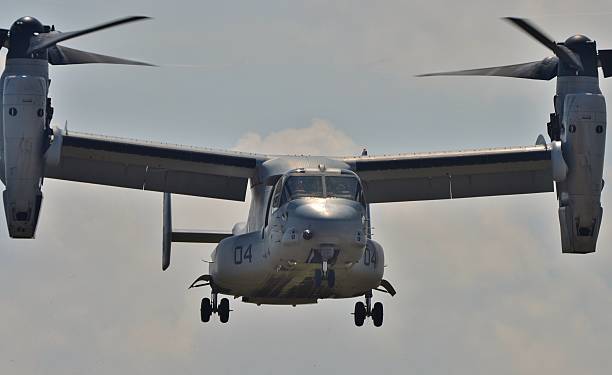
[240,255]
[369,257]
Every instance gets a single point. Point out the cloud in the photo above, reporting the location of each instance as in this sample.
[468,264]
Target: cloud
[320,138]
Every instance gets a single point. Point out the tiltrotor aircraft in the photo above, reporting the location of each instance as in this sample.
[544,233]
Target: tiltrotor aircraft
[308,234]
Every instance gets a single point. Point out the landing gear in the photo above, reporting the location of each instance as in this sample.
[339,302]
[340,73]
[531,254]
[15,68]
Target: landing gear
[318,278]
[206,310]
[224,310]
[331,278]
[209,306]
[325,274]
[360,314]
[377,314]
[362,311]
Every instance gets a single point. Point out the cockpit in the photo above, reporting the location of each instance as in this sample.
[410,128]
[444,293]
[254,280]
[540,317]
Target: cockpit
[323,201]
[302,184]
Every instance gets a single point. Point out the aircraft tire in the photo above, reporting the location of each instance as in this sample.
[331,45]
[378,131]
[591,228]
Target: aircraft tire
[318,278]
[359,314]
[224,310]
[205,310]
[331,278]
[377,314]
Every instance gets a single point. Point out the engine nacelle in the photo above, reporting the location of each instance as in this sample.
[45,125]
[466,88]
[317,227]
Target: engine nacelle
[23,104]
[559,167]
[583,137]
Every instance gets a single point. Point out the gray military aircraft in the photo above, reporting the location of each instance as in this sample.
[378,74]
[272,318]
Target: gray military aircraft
[308,235]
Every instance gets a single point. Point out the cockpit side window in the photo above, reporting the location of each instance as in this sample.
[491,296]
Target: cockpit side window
[361,197]
[346,187]
[277,194]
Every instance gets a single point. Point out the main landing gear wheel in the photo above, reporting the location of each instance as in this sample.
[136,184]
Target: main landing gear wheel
[359,314]
[377,314]
[362,311]
[209,307]
[224,310]
[206,310]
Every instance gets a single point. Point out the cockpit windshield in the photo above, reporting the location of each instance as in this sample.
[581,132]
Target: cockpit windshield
[341,187]
[304,186]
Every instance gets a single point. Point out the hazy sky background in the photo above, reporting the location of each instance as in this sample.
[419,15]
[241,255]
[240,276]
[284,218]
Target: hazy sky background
[482,285]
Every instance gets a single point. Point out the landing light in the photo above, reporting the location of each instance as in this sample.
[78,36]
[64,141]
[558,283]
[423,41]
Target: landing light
[307,234]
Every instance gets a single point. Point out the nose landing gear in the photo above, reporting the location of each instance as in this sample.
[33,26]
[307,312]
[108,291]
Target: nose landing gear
[362,311]
[325,274]
[210,306]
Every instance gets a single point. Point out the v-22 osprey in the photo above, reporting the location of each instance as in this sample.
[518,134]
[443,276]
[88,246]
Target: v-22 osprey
[308,234]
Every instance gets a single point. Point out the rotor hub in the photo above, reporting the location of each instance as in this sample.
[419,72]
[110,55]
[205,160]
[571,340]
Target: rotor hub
[577,42]
[26,26]
[20,35]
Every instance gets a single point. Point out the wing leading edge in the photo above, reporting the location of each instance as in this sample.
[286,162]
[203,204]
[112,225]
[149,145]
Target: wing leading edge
[448,175]
[224,174]
[150,166]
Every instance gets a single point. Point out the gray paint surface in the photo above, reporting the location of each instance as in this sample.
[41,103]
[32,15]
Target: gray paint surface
[482,286]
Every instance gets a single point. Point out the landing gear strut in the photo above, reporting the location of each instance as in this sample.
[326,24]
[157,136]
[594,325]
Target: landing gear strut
[210,306]
[325,274]
[362,311]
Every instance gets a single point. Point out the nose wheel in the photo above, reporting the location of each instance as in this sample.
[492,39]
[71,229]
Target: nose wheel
[325,274]
[363,311]
[210,306]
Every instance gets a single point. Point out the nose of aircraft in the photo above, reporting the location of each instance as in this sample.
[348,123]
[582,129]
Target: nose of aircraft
[326,210]
[330,222]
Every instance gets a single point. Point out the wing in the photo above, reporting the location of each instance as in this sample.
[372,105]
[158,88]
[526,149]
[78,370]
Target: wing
[462,174]
[150,166]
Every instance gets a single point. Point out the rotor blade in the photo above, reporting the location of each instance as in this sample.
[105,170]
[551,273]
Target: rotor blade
[543,70]
[564,53]
[533,31]
[605,61]
[60,55]
[46,40]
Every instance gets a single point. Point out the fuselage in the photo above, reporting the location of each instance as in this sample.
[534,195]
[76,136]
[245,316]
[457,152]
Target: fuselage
[306,218]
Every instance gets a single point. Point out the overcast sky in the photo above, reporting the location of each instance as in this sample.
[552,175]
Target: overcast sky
[482,285]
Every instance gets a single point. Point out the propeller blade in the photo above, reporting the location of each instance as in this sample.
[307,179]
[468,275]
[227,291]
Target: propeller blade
[46,40]
[564,53]
[543,70]
[605,61]
[60,55]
